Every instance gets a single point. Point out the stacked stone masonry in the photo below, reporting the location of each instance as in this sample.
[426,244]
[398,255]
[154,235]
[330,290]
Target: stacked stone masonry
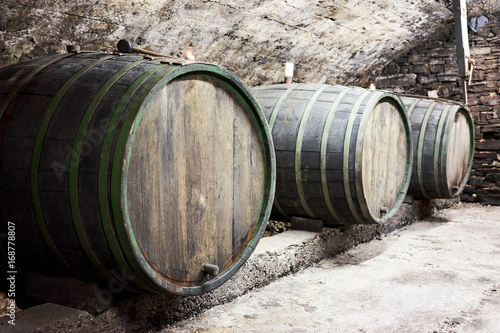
[431,68]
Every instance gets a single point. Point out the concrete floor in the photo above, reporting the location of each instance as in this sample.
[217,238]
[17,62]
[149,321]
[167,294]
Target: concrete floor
[437,275]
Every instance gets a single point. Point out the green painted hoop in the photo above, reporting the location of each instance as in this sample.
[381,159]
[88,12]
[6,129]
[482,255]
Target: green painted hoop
[120,169]
[447,191]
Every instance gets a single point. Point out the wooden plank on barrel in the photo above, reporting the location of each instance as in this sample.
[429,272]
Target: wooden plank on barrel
[198,97]
[397,153]
[146,183]
[27,73]
[226,110]
[248,178]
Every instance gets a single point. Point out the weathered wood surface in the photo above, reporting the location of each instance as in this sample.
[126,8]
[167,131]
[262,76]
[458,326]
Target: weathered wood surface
[443,137]
[197,174]
[343,154]
[119,166]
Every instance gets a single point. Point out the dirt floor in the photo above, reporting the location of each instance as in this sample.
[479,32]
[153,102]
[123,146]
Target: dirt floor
[441,274]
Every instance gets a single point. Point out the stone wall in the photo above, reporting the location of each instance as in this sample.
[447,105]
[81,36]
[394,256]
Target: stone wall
[432,66]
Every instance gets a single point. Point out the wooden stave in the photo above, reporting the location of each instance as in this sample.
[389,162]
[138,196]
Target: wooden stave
[149,283]
[272,99]
[435,140]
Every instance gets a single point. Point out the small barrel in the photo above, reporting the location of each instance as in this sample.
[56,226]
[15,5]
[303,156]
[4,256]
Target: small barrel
[343,154]
[443,138]
[156,174]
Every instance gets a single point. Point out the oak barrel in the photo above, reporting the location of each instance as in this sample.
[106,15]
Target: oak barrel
[443,137]
[343,154]
[153,173]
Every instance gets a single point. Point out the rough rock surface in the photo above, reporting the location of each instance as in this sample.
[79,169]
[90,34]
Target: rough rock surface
[330,41]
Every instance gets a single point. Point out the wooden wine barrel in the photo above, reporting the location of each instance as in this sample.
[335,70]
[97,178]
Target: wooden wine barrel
[136,170]
[343,154]
[443,138]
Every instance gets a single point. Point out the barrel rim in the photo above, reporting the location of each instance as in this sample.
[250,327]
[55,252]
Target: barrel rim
[119,198]
[409,156]
[449,193]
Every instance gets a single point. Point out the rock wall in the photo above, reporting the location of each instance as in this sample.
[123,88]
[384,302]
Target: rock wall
[432,66]
[329,41]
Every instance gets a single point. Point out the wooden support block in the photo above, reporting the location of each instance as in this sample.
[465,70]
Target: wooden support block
[408,199]
[305,224]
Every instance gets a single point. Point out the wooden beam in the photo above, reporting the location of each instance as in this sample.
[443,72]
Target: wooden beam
[461,36]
